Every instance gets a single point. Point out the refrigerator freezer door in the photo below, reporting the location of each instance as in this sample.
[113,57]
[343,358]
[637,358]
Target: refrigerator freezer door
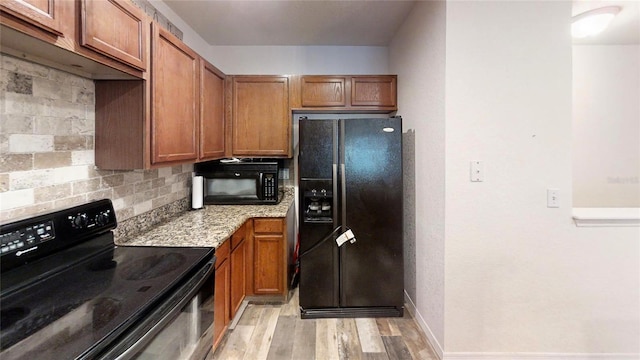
[372,268]
[317,148]
[317,164]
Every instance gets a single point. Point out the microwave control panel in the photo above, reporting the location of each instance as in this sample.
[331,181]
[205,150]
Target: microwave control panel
[270,189]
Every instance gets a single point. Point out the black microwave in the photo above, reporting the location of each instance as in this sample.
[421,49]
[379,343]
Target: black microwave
[240,183]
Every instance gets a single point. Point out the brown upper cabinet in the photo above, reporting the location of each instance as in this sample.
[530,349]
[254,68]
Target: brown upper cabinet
[261,118]
[212,120]
[44,14]
[344,93]
[323,91]
[175,88]
[95,39]
[174,117]
[115,28]
[374,91]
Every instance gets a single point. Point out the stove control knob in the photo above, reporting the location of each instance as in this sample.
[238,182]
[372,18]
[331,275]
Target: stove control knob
[102,218]
[79,221]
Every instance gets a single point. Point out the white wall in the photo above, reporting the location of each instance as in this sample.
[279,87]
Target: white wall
[318,60]
[520,277]
[189,36]
[417,55]
[606,126]
[520,280]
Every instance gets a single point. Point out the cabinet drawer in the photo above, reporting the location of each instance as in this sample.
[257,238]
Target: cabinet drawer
[238,236]
[268,226]
[222,252]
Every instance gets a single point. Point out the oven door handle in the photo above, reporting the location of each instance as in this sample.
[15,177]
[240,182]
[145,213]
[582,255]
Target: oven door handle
[192,290]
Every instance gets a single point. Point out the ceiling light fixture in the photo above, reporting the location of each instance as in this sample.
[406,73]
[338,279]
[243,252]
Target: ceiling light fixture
[593,22]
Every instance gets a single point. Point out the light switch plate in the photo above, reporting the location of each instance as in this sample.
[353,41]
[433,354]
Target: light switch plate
[553,198]
[477,171]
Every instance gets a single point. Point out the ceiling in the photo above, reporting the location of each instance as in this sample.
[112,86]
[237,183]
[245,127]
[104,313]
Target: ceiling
[343,22]
[294,22]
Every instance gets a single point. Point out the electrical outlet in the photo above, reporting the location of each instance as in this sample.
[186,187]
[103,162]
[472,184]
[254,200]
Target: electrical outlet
[553,198]
[477,171]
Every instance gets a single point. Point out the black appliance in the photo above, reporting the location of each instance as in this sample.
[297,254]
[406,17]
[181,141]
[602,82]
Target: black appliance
[350,196]
[68,293]
[241,183]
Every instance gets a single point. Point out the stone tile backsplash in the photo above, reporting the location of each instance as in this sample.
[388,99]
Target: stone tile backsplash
[47,151]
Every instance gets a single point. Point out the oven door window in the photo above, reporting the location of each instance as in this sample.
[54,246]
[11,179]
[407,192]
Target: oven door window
[189,335]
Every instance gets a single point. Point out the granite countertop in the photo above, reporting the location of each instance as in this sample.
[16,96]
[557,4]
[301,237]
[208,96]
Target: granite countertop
[208,227]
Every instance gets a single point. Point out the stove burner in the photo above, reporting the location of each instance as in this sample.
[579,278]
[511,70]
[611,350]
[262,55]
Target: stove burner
[12,315]
[153,266]
[105,310]
[27,325]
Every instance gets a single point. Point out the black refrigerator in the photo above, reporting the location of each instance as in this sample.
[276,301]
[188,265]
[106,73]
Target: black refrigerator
[351,204]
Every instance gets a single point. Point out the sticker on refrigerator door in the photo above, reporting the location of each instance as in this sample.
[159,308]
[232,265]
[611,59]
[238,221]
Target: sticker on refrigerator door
[344,237]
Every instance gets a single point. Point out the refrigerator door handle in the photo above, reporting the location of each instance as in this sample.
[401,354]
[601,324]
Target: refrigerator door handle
[336,160]
[343,196]
[343,174]
[334,180]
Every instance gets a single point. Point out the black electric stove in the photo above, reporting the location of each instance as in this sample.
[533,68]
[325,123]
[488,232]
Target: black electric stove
[67,292]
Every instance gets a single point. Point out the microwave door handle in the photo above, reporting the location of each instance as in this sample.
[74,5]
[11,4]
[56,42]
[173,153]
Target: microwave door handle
[260,186]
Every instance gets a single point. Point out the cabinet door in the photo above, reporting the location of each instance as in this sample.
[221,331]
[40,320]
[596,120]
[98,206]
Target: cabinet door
[221,305]
[268,264]
[373,91]
[261,119]
[221,300]
[175,99]
[323,91]
[115,28]
[212,120]
[44,14]
[238,276]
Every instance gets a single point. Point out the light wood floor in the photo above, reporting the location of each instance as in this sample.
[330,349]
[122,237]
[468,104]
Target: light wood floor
[276,332]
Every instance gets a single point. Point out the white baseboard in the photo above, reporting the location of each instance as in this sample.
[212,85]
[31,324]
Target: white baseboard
[442,355]
[538,356]
[435,345]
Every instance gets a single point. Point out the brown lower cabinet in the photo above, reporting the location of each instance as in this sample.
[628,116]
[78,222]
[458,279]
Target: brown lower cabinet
[252,262]
[221,300]
[269,256]
[238,259]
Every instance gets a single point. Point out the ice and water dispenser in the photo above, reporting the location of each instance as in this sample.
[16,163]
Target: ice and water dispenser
[318,204]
